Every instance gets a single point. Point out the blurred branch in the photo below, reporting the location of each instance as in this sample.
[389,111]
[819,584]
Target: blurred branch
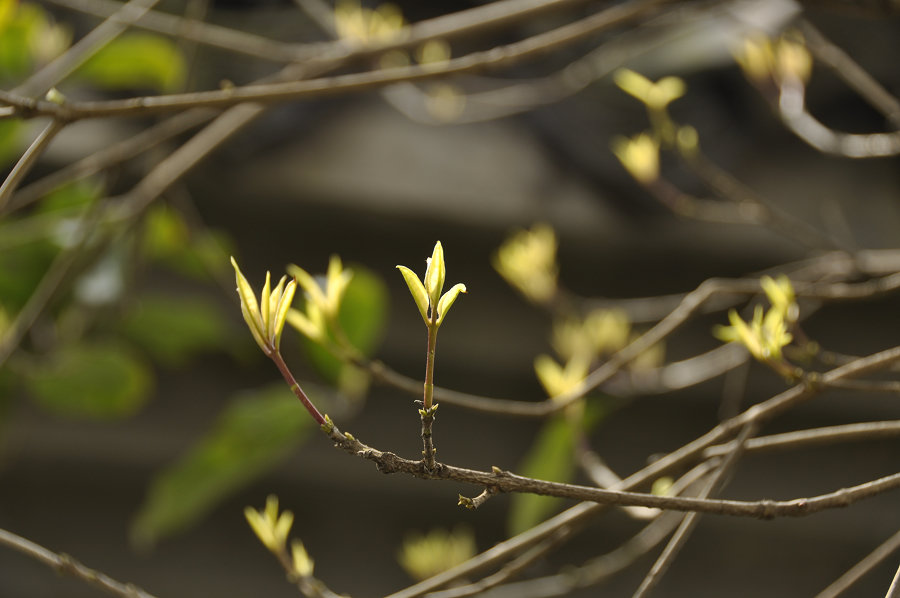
[870,385]
[855,573]
[28,160]
[711,486]
[894,590]
[193,30]
[604,566]
[63,563]
[116,23]
[500,56]
[813,437]
[791,106]
[670,376]
[850,71]
[512,569]
[110,156]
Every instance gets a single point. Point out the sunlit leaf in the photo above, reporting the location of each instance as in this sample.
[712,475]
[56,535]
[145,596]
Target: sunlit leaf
[552,458]
[91,381]
[255,431]
[363,316]
[136,60]
[174,329]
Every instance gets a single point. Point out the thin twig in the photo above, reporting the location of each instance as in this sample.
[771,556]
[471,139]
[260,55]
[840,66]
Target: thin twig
[793,112]
[110,156]
[604,566]
[894,590]
[28,160]
[857,571]
[712,485]
[498,57]
[671,376]
[65,564]
[193,30]
[850,71]
[813,437]
[891,386]
[512,569]
[508,482]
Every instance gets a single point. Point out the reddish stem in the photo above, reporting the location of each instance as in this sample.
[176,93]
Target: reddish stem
[295,387]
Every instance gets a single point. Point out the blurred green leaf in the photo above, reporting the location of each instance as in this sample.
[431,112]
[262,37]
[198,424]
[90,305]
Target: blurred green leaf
[165,233]
[74,196]
[21,269]
[136,60]
[363,316]
[92,381]
[10,141]
[173,329]
[253,433]
[28,38]
[552,458]
[198,254]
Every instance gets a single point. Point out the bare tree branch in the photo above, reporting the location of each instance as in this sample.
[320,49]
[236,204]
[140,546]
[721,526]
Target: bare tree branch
[63,563]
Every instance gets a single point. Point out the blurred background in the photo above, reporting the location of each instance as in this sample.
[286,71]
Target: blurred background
[146,476]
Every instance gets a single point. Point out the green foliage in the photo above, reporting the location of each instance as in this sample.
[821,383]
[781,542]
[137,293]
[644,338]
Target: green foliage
[136,60]
[21,269]
[253,433]
[174,329]
[168,240]
[93,381]
[28,38]
[363,317]
[10,141]
[552,458]
[77,195]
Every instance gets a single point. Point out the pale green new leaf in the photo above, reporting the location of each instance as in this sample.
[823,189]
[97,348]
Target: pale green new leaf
[308,283]
[281,311]
[435,274]
[417,289]
[448,299]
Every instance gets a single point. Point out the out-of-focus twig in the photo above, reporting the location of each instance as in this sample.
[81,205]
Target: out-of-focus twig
[855,573]
[117,22]
[850,71]
[63,563]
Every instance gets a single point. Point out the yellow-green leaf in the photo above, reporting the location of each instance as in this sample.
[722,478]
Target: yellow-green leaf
[417,289]
[136,60]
